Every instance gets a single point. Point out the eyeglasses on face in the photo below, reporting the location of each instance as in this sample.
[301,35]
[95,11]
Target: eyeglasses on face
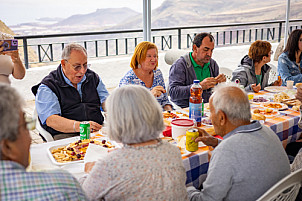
[30,123]
[78,67]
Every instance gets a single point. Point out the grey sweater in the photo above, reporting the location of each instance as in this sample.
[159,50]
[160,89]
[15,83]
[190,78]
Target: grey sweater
[245,73]
[181,78]
[244,165]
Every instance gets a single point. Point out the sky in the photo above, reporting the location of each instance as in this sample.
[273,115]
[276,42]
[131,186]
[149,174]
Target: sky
[19,11]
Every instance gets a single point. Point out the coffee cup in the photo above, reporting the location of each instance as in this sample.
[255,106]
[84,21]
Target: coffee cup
[289,84]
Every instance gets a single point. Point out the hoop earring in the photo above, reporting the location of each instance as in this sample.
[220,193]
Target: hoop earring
[139,66]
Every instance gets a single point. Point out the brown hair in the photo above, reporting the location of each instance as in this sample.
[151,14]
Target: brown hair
[140,53]
[259,49]
[292,45]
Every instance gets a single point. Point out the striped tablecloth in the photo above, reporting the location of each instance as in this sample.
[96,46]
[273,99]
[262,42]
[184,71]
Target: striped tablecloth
[285,125]
[196,165]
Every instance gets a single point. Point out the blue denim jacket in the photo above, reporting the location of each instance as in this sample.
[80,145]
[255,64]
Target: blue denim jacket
[289,70]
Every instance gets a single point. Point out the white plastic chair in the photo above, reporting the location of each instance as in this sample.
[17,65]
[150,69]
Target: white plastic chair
[286,189]
[47,136]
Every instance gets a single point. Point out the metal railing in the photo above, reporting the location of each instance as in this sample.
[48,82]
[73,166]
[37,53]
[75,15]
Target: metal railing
[106,43]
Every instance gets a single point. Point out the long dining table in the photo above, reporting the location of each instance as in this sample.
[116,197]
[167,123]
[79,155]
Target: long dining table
[196,164]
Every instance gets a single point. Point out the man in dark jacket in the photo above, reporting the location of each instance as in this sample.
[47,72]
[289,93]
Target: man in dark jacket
[195,65]
[70,94]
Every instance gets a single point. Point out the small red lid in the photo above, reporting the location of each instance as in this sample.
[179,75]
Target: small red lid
[182,122]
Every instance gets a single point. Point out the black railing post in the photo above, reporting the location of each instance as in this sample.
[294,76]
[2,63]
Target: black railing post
[217,37]
[135,42]
[39,53]
[106,45]
[250,35]
[224,38]
[51,52]
[256,34]
[280,31]
[170,37]
[96,49]
[63,46]
[179,38]
[153,39]
[116,46]
[126,46]
[237,39]
[231,36]
[85,45]
[25,53]
[261,34]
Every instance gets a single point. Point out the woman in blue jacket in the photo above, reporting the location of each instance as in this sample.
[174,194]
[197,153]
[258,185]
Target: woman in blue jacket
[290,61]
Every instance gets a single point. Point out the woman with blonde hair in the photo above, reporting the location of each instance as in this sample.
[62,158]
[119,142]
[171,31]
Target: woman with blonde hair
[144,72]
[145,168]
[253,70]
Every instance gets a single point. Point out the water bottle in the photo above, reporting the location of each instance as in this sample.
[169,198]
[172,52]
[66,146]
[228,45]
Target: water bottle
[195,105]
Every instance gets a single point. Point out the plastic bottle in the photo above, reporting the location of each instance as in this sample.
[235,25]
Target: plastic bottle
[195,106]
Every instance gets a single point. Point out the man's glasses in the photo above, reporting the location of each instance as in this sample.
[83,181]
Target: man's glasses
[78,67]
[30,123]
[270,52]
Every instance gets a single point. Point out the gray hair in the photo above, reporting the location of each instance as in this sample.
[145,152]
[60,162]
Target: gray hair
[236,108]
[133,115]
[10,105]
[69,48]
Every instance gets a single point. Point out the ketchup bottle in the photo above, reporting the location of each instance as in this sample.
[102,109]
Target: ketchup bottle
[195,105]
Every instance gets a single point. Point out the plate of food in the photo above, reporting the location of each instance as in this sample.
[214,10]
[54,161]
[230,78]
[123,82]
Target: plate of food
[260,99]
[75,152]
[267,112]
[275,89]
[206,121]
[274,105]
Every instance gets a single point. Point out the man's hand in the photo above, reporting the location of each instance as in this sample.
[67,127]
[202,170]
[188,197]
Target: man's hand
[95,126]
[220,78]
[299,94]
[206,138]
[255,88]
[277,83]
[89,166]
[207,83]
[157,91]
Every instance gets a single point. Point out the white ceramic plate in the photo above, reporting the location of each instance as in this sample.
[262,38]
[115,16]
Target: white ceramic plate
[267,115]
[275,89]
[205,121]
[263,98]
[275,105]
[53,160]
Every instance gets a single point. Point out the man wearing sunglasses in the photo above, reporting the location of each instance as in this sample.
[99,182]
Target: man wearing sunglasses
[70,94]
[15,182]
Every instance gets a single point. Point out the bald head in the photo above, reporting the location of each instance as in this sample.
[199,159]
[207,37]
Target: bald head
[233,101]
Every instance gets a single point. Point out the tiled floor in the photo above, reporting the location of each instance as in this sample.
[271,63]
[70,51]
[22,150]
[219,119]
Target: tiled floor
[29,110]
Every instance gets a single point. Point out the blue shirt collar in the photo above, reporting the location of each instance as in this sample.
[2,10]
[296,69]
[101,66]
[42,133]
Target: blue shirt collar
[254,126]
[68,81]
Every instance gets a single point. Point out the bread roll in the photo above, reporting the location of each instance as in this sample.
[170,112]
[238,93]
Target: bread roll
[299,85]
[258,116]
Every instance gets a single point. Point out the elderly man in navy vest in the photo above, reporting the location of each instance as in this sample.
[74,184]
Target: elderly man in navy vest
[70,94]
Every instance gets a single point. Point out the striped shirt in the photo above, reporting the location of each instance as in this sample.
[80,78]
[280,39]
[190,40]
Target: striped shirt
[17,184]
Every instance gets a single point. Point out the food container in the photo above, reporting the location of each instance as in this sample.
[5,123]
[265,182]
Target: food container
[180,126]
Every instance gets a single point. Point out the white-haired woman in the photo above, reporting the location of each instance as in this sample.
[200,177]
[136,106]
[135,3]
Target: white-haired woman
[146,167]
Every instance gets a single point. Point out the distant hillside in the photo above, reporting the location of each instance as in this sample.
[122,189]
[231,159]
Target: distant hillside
[173,13]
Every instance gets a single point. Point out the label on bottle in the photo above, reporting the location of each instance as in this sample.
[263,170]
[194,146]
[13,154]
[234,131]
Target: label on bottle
[195,111]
